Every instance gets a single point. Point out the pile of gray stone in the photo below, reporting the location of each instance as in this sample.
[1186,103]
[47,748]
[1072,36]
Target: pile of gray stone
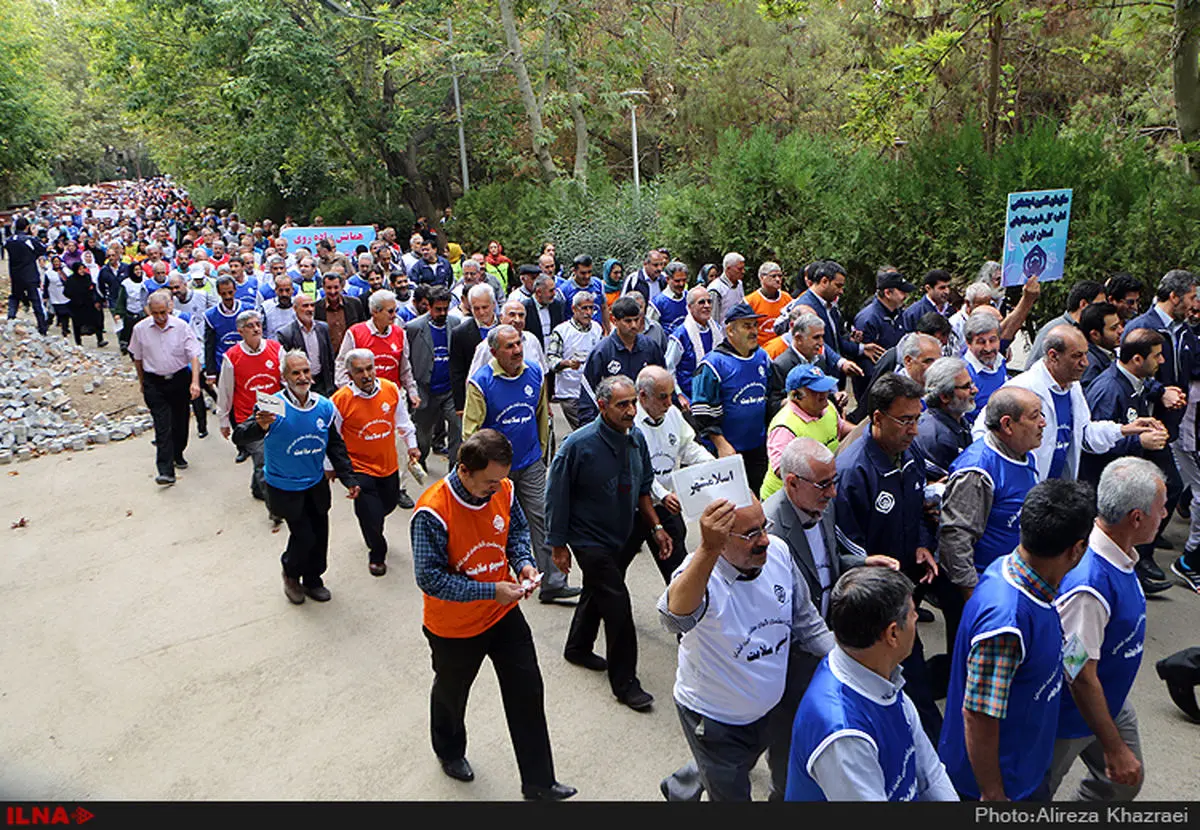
[36,414]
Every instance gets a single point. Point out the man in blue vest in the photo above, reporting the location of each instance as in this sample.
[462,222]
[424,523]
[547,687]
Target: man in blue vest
[294,451]
[985,362]
[730,392]
[1103,612]
[1007,668]
[857,736]
[984,493]
[509,395]
[220,327]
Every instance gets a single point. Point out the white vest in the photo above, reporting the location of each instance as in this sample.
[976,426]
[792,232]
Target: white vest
[577,345]
[733,664]
[135,295]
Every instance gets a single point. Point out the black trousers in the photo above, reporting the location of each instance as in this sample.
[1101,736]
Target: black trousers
[168,400]
[673,524]
[27,292]
[87,317]
[605,598]
[376,499]
[756,467]
[307,515]
[126,332]
[456,662]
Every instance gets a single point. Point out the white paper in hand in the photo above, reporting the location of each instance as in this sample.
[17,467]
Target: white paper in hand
[701,484]
[270,403]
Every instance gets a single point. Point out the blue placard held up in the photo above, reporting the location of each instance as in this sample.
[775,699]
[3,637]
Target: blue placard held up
[345,239]
[1035,235]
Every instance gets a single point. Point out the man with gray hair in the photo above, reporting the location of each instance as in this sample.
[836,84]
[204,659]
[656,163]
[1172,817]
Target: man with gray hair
[1103,613]
[727,290]
[384,336]
[985,362]
[359,284]
[943,431]
[975,296]
[509,395]
[295,448]
[916,353]
[544,309]
[601,476]
[371,413]
[570,345]
[987,485]
[247,368]
[467,335]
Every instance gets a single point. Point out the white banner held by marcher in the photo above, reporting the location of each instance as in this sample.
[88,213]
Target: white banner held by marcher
[701,484]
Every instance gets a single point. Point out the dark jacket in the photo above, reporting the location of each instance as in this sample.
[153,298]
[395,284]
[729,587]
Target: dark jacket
[835,337]
[940,439]
[1178,368]
[610,357]
[779,510]
[356,311]
[291,337]
[533,322]
[1098,361]
[464,339]
[1111,397]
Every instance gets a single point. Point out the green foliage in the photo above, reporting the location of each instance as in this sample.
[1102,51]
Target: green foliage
[612,223]
[515,213]
[349,209]
[941,204]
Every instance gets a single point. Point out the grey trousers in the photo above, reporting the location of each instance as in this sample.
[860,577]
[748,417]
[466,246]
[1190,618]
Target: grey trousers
[1189,470]
[723,757]
[1096,786]
[530,488]
[438,409]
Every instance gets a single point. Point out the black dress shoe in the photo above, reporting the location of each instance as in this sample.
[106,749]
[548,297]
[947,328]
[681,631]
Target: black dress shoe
[459,770]
[555,792]
[319,593]
[637,698]
[555,594]
[1147,567]
[924,615]
[181,463]
[241,456]
[588,661]
[404,500]
[1153,586]
[1161,543]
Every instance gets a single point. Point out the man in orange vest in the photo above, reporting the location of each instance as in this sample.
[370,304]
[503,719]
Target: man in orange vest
[385,338]
[469,537]
[247,368]
[371,411]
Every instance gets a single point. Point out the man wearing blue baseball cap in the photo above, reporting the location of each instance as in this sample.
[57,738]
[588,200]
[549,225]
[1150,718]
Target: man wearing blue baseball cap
[806,413]
[730,391]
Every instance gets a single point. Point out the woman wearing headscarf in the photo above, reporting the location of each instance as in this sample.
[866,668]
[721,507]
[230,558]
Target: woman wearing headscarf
[614,275]
[500,266]
[83,304]
[708,273]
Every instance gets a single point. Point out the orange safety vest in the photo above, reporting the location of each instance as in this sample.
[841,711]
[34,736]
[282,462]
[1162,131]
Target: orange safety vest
[369,427]
[477,543]
[772,309]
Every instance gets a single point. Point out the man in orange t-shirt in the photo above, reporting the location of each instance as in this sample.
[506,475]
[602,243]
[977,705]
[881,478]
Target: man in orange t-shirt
[769,300]
[370,413]
[469,536]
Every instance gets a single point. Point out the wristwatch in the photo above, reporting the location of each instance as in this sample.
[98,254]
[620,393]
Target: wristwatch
[657,528]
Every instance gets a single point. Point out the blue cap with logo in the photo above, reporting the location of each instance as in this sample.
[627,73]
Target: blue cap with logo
[808,376]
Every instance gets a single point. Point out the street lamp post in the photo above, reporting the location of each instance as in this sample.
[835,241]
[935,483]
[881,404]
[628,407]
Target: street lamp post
[342,11]
[634,94]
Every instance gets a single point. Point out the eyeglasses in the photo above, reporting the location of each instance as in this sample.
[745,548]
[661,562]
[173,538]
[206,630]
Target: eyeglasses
[906,422]
[703,302]
[820,485]
[965,386]
[767,527]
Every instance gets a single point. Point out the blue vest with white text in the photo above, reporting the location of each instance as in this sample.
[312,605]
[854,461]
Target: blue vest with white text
[512,409]
[1011,482]
[1065,434]
[1124,636]
[247,291]
[1030,723]
[986,383]
[294,449]
[831,706]
[439,380]
[743,397]
[671,312]
[225,326]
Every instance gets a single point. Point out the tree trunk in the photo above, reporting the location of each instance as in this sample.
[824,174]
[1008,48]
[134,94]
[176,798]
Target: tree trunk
[992,116]
[404,166]
[581,127]
[541,150]
[1186,49]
